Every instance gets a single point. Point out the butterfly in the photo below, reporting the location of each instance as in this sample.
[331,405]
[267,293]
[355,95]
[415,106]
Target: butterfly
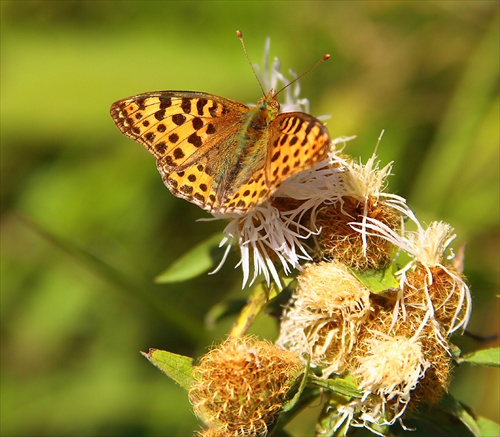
[219,154]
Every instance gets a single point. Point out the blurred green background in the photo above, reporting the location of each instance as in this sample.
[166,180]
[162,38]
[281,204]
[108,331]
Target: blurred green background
[73,325]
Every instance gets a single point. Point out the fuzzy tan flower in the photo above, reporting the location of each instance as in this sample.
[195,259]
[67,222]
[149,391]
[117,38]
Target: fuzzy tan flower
[326,313]
[240,386]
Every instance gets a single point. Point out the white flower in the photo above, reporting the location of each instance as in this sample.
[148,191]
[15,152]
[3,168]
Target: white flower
[392,367]
[264,234]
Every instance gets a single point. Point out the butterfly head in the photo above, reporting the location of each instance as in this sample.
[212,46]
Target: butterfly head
[270,103]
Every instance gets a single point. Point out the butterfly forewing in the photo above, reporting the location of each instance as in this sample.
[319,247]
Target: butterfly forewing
[180,129]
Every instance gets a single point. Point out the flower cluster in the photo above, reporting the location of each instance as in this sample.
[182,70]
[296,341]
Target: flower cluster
[394,342]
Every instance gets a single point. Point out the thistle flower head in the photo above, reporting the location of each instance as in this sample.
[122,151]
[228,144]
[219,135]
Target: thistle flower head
[431,264]
[241,385]
[391,366]
[364,181]
[388,370]
[397,365]
[431,244]
[430,276]
[360,197]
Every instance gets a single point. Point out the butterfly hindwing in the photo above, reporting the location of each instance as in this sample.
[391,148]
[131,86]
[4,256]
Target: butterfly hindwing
[297,142]
[193,183]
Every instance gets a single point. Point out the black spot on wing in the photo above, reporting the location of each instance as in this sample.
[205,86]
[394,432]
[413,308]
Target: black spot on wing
[200,104]
[178,153]
[195,140]
[186,105]
[199,197]
[308,130]
[197,123]
[186,189]
[165,102]
[160,115]
[179,119]
[149,136]
[161,147]
[141,103]
[213,109]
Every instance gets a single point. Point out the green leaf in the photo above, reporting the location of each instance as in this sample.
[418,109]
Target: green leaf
[488,427]
[447,418]
[176,367]
[337,385]
[200,259]
[484,357]
[450,405]
[377,281]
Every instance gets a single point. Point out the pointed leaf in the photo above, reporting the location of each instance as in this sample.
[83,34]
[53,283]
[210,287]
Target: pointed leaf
[447,418]
[450,405]
[485,357]
[176,367]
[200,259]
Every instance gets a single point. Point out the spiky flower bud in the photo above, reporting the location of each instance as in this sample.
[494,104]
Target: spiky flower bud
[240,386]
[340,241]
[440,287]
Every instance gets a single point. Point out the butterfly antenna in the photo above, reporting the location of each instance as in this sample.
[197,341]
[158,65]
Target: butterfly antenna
[323,59]
[240,37]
